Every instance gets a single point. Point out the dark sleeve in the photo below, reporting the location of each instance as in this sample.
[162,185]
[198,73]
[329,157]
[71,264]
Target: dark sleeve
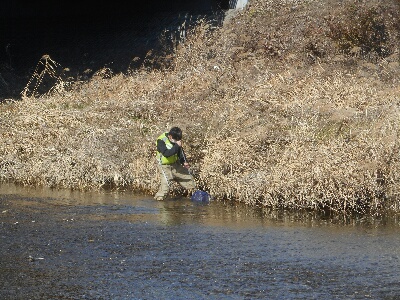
[162,148]
[181,156]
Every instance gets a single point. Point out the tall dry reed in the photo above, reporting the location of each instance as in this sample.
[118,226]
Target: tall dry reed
[274,112]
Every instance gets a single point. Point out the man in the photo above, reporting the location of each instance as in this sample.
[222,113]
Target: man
[172,163]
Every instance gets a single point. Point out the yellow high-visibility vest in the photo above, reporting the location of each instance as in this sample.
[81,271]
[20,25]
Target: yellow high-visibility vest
[161,158]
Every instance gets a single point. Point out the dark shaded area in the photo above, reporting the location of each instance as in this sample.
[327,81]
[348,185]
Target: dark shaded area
[90,7]
[87,36]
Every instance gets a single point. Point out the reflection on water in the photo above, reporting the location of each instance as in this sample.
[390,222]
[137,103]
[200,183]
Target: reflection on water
[119,245]
[181,210]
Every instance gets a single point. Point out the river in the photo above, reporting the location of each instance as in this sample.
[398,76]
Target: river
[58,244]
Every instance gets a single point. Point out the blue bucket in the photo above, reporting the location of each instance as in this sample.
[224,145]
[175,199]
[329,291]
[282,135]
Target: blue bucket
[201,197]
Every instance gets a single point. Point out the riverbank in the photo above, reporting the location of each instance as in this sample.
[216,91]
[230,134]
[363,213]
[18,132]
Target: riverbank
[281,107]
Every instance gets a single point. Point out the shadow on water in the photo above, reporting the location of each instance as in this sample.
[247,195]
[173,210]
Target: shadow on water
[59,244]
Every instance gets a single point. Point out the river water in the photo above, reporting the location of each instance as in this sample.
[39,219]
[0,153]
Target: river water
[109,245]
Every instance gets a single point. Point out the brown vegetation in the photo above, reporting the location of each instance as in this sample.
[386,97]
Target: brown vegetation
[291,104]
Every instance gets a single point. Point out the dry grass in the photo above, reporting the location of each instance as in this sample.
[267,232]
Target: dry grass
[275,112]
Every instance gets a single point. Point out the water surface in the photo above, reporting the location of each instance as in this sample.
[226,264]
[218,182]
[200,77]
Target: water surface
[109,245]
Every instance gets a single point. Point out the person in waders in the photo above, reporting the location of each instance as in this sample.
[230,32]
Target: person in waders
[172,163]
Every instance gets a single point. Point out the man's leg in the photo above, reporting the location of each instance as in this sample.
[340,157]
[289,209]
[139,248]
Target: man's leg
[183,177]
[165,176]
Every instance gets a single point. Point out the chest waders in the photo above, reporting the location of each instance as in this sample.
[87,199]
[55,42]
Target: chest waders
[162,160]
[165,175]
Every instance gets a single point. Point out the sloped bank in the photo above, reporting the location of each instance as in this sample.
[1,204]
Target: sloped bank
[268,126]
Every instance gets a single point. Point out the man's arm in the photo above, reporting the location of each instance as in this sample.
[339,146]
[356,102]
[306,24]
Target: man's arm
[181,156]
[162,148]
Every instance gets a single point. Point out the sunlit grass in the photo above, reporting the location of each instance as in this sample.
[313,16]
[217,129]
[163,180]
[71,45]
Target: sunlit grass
[263,124]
